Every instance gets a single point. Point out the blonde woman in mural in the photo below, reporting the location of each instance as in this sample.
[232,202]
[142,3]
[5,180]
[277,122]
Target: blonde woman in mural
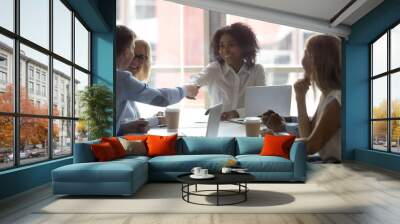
[140,68]
[322,66]
[130,90]
[141,64]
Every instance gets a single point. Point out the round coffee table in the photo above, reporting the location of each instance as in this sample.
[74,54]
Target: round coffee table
[238,179]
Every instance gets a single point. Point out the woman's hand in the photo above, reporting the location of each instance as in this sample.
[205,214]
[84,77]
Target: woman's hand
[301,87]
[229,115]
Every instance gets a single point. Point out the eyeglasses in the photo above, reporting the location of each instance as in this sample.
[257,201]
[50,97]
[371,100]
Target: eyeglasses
[140,57]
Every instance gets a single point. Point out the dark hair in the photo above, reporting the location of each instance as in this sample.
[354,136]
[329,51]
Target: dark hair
[245,38]
[124,39]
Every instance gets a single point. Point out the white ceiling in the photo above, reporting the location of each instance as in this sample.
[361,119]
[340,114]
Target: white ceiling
[315,15]
[319,9]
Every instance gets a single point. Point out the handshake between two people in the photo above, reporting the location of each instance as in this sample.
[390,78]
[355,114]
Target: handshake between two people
[191,91]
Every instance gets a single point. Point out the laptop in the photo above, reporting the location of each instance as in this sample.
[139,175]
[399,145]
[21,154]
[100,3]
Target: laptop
[259,99]
[214,116]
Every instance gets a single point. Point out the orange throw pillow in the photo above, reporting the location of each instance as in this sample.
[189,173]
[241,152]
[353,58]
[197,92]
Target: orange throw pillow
[277,145]
[161,145]
[116,145]
[135,137]
[103,152]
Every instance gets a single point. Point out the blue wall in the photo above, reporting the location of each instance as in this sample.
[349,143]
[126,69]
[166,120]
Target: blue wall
[103,56]
[356,85]
[100,16]
[24,178]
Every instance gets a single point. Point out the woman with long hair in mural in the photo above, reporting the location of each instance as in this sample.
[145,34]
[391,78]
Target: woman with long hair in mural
[322,67]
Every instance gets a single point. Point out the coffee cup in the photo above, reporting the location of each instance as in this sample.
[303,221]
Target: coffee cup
[203,172]
[252,126]
[172,117]
[226,170]
[196,170]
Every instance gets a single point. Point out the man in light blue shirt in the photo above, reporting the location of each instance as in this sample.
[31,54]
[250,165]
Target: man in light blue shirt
[129,89]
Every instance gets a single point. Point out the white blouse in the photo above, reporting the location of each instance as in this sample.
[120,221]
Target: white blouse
[333,148]
[228,87]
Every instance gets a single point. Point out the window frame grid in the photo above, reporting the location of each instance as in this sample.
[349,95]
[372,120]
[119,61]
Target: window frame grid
[388,74]
[16,114]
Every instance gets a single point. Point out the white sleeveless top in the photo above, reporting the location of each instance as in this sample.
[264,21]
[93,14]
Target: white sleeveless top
[332,150]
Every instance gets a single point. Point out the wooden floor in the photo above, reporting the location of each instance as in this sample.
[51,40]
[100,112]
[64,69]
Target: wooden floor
[378,188]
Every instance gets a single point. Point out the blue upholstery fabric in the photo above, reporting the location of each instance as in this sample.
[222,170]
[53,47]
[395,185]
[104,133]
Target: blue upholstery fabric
[119,177]
[184,163]
[249,145]
[298,155]
[257,163]
[207,145]
[83,152]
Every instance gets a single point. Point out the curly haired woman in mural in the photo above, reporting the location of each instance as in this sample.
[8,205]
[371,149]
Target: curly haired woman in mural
[234,48]
[322,66]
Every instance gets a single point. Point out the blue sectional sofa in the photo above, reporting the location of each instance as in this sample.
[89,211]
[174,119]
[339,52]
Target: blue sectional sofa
[125,176]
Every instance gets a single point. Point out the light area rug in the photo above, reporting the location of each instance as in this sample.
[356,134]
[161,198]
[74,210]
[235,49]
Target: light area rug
[166,198]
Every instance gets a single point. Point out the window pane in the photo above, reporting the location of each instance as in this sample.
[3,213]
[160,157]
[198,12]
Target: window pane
[379,135]
[6,74]
[279,45]
[158,23]
[62,89]
[6,142]
[33,139]
[62,29]
[395,47]
[379,56]
[193,36]
[395,138]
[81,131]
[379,98]
[62,138]
[35,21]
[81,81]
[395,94]
[7,14]
[34,97]
[81,45]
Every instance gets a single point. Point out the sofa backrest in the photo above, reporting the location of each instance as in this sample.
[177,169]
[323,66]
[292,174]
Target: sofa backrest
[206,145]
[190,146]
[83,153]
[249,145]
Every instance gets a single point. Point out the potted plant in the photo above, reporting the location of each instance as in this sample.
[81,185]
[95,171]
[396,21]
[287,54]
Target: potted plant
[96,102]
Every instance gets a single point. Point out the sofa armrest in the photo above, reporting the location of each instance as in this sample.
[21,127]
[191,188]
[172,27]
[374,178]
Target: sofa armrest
[298,155]
[83,152]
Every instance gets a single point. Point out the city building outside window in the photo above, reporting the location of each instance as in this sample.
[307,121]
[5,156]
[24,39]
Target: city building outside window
[3,78]
[30,72]
[43,132]
[30,87]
